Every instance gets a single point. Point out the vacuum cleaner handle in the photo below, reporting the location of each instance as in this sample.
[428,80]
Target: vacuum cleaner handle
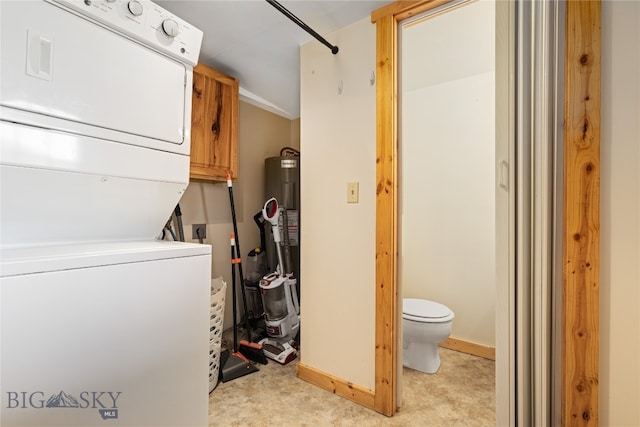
[271,213]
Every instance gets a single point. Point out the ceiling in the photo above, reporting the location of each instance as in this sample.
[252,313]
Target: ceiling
[255,43]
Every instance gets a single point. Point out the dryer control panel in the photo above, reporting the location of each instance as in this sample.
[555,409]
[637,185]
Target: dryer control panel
[145,22]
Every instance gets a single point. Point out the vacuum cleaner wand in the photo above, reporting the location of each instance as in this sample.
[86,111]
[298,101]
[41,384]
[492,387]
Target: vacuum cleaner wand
[271,213]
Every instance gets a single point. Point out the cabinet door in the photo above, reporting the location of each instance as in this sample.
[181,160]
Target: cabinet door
[214,125]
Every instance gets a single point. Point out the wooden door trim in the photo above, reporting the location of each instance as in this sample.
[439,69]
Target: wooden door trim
[581,211]
[386,340]
[581,233]
[387,321]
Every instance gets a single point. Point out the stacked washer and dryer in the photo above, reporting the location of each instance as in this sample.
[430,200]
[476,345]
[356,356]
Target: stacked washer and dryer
[100,321]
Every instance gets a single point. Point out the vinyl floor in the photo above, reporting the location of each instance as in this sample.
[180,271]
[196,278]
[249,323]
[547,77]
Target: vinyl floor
[461,393]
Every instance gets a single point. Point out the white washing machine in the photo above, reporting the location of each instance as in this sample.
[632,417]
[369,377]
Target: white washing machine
[105,334]
[100,323]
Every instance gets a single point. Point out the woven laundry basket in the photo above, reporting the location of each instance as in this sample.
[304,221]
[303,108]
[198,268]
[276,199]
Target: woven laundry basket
[218,292]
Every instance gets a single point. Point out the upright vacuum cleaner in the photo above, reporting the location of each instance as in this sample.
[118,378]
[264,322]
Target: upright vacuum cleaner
[280,300]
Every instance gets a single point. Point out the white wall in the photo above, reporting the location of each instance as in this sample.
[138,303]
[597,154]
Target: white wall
[338,143]
[620,215]
[261,134]
[447,179]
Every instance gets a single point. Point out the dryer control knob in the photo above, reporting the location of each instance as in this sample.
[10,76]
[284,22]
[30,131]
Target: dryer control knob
[135,8]
[170,27]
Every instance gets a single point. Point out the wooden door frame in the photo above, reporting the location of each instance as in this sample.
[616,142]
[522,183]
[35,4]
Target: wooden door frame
[581,208]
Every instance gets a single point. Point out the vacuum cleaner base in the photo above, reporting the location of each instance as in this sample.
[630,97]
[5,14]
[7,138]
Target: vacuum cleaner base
[281,352]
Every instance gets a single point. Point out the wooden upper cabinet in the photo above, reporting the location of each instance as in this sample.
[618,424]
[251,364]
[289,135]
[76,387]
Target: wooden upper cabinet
[214,125]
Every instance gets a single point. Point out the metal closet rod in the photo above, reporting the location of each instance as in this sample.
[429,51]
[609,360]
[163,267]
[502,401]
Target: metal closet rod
[308,29]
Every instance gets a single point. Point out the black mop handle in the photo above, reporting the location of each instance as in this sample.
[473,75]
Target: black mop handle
[235,231]
[233,296]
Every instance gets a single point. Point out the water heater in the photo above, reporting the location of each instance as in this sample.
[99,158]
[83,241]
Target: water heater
[282,181]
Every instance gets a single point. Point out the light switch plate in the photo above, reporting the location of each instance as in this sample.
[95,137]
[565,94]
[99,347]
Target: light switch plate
[352,192]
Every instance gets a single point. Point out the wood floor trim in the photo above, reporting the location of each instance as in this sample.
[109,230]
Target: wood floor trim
[336,385]
[469,348]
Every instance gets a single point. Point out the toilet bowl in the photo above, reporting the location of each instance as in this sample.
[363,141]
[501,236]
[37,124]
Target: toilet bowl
[424,324]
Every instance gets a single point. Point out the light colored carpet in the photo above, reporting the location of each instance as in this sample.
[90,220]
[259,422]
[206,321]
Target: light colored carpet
[461,393]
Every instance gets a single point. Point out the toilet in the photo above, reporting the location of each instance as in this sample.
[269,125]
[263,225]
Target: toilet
[424,324]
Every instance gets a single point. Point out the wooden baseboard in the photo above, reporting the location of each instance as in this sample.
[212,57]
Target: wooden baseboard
[335,385]
[469,348]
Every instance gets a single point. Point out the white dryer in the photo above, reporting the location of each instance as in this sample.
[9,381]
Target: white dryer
[95,114]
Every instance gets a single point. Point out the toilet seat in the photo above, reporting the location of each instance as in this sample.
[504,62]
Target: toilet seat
[425,311]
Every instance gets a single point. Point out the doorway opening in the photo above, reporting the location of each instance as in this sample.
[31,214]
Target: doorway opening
[533,35]
[447,199]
